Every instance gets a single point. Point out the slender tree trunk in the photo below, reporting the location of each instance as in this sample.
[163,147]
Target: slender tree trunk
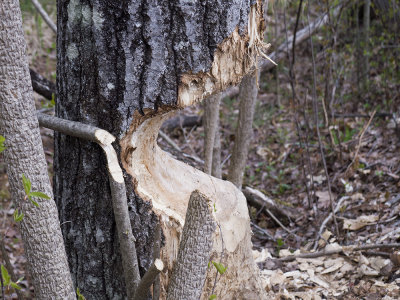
[40,227]
[216,169]
[122,66]
[366,22]
[244,131]
[211,128]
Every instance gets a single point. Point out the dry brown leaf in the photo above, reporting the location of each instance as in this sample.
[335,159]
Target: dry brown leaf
[360,222]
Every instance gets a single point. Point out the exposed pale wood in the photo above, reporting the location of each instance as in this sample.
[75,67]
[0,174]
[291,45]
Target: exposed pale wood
[138,60]
[168,183]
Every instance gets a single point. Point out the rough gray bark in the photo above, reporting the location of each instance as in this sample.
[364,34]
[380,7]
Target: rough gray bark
[115,58]
[189,271]
[40,227]
[244,131]
[211,127]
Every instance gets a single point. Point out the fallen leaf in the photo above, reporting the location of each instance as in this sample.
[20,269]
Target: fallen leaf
[360,222]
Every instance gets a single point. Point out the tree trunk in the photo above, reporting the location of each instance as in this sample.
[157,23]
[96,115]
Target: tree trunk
[123,66]
[244,131]
[211,128]
[40,227]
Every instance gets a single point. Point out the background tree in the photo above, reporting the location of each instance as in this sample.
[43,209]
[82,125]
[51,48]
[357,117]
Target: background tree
[24,154]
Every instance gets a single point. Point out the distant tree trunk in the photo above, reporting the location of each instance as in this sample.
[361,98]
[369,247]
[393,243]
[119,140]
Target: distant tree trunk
[40,227]
[216,169]
[366,22]
[244,131]
[122,66]
[211,129]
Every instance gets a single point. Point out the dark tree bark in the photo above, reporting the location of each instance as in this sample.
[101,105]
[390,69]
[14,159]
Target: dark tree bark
[42,85]
[120,57]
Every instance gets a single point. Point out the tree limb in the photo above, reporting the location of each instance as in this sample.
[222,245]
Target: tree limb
[339,250]
[42,86]
[44,15]
[148,279]
[118,191]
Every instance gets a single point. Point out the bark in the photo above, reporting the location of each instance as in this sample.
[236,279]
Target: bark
[211,127]
[216,169]
[148,279]
[40,227]
[121,65]
[190,268]
[244,131]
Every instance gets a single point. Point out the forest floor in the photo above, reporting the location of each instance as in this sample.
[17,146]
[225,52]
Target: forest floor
[362,161]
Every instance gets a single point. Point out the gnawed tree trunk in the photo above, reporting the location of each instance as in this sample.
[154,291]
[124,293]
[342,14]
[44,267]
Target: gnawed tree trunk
[189,272]
[40,227]
[124,67]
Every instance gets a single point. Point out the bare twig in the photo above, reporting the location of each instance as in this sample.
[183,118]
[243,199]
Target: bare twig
[327,219]
[314,96]
[258,199]
[169,141]
[339,250]
[263,231]
[360,140]
[45,16]
[118,191]
[42,85]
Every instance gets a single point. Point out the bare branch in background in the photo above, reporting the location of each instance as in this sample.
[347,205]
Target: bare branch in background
[44,15]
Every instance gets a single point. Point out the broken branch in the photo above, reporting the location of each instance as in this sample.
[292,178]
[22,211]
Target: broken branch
[148,279]
[118,190]
[339,250]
